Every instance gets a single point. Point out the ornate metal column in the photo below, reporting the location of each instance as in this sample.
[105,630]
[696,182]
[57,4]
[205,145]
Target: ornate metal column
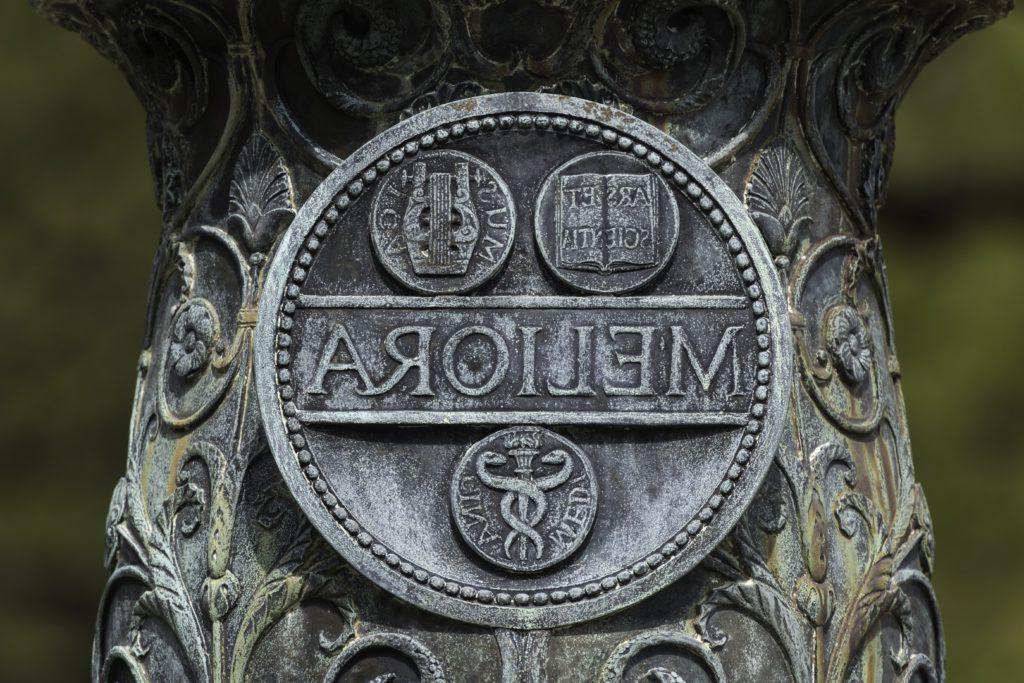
[519,340]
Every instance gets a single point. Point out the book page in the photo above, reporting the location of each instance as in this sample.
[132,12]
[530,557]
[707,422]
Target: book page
[581,221]
[630,238]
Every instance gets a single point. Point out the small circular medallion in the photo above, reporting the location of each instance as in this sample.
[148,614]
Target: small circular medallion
[606,223]
[444,223]
[524,498]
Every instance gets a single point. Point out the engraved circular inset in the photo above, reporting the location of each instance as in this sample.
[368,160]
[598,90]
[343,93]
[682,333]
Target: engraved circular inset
[371,400]
[606,223]
[443,223]
[524,498]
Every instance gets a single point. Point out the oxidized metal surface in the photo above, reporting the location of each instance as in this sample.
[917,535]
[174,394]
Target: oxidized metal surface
[509,359]
[444,224]
[694,366]
[517,512]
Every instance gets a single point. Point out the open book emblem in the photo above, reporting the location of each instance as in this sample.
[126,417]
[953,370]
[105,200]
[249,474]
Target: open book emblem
[607,222]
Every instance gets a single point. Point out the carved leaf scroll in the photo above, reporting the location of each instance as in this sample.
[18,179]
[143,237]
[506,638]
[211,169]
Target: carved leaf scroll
[773,610]
[303,570]
[168,599]
[876,593]
[754,591]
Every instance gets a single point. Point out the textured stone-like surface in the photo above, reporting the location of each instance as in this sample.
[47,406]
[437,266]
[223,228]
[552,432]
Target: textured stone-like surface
[217,573]
[677,391]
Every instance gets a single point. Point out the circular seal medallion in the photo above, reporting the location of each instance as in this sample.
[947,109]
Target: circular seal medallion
[605,223]
[535,426]
[524,498]
[443,224]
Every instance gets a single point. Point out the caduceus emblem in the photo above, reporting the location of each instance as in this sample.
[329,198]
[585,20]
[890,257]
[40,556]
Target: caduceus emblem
[525,501]
[524,498]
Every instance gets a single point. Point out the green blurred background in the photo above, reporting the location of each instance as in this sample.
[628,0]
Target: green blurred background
[80,227]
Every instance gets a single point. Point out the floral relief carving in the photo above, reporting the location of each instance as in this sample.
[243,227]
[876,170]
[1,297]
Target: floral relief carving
[821,639]
[837,359]
[260,197]
[778,198]
[369,57]
[849,344]
[693,47]
[192,338]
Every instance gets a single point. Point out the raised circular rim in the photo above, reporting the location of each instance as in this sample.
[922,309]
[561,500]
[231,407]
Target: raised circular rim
[699,537]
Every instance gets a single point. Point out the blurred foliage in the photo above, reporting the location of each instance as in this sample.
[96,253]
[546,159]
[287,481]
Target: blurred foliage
[81,227]
[953,232]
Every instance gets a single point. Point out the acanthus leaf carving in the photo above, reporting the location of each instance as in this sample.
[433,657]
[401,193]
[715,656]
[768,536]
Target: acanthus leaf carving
[876,592]
[168,598]
[752,589]
[303,570]
[773,610]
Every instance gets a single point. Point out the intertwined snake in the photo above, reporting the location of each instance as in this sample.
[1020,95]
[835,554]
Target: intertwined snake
[524,491]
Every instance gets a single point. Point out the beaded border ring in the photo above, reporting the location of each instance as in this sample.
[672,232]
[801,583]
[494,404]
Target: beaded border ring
[560,115]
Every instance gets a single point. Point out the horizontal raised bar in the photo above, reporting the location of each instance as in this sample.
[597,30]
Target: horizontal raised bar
[691,301]
[503,417]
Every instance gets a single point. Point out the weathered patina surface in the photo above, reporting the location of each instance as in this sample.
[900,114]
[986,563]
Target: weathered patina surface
[519,340]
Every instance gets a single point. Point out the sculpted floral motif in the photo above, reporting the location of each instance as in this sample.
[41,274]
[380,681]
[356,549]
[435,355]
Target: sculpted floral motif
[667,32]
[192,339]
[750,587]
[849,344]
[366,34]
[369,57]
[671,56]
[837,360]
[168,598]
[821,641]
[303,570]
[879,49]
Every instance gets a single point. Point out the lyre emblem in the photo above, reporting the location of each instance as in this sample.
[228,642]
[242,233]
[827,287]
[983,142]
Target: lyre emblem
[440,228]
